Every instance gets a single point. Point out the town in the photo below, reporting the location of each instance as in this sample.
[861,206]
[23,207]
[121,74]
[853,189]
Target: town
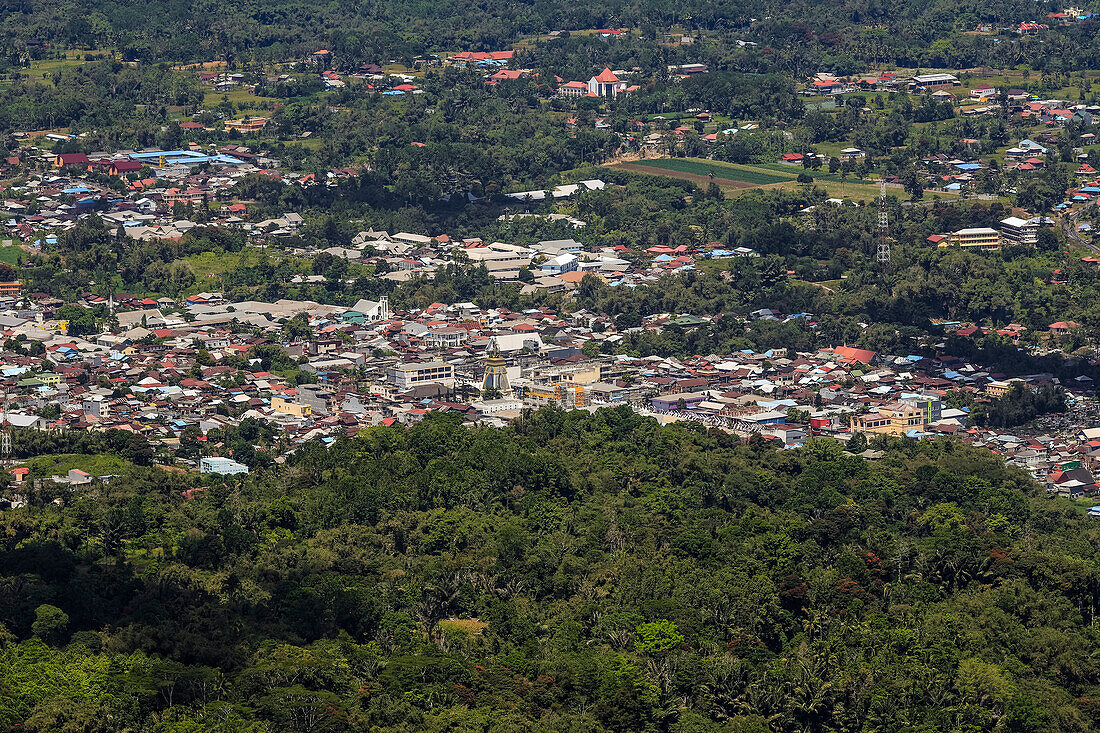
[180,372]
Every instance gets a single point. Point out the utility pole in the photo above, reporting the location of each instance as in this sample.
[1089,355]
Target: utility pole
[883,230]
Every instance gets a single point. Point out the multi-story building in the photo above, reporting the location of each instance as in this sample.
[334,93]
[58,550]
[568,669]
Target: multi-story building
[286,406]
[568,396]
[405,376]
[896,418]
[1015,230]
[984,239]
[930,405]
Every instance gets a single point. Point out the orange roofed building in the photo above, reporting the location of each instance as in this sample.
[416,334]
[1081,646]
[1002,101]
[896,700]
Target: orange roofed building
[606,84]
[851,355]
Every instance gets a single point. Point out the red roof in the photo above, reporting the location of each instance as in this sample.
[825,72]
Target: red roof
[606,77]
[852,354]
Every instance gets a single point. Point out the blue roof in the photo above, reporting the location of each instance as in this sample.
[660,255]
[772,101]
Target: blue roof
[968,166]
[197,159]
[76,189]
[166,154]
[954,187]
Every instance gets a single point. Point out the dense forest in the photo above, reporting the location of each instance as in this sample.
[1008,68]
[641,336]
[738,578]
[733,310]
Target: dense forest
[794,36]
[574,572]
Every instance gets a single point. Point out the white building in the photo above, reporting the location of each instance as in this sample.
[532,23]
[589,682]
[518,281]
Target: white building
[225,466]
[406,376]
[373,311]
[606,84]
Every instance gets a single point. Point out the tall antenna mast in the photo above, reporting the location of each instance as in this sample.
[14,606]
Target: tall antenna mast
[883,229]
[5,433]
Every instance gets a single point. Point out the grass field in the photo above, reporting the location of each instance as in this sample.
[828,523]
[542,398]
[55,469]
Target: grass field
[60,464]
[734,178]
[11,255]
[214,263]
[241,97]
[747,175]
[208,265]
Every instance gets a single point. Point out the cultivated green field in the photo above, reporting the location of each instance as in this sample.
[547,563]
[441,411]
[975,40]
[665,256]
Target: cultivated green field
[708,168]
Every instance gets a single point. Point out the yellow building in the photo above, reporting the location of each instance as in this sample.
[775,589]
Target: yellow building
[284,406]
[1000,389]
[569,396]
[896,418]
[984,239]
[248,124]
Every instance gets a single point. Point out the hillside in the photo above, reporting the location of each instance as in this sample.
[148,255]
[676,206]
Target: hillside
[581,572]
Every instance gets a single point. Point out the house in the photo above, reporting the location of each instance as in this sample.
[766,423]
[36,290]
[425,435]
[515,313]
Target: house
[508,75]
[826,87]
[983,92]
[1061,328]
[1031,28]
[76,477]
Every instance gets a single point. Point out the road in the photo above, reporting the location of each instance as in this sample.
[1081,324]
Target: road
[1069,226]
